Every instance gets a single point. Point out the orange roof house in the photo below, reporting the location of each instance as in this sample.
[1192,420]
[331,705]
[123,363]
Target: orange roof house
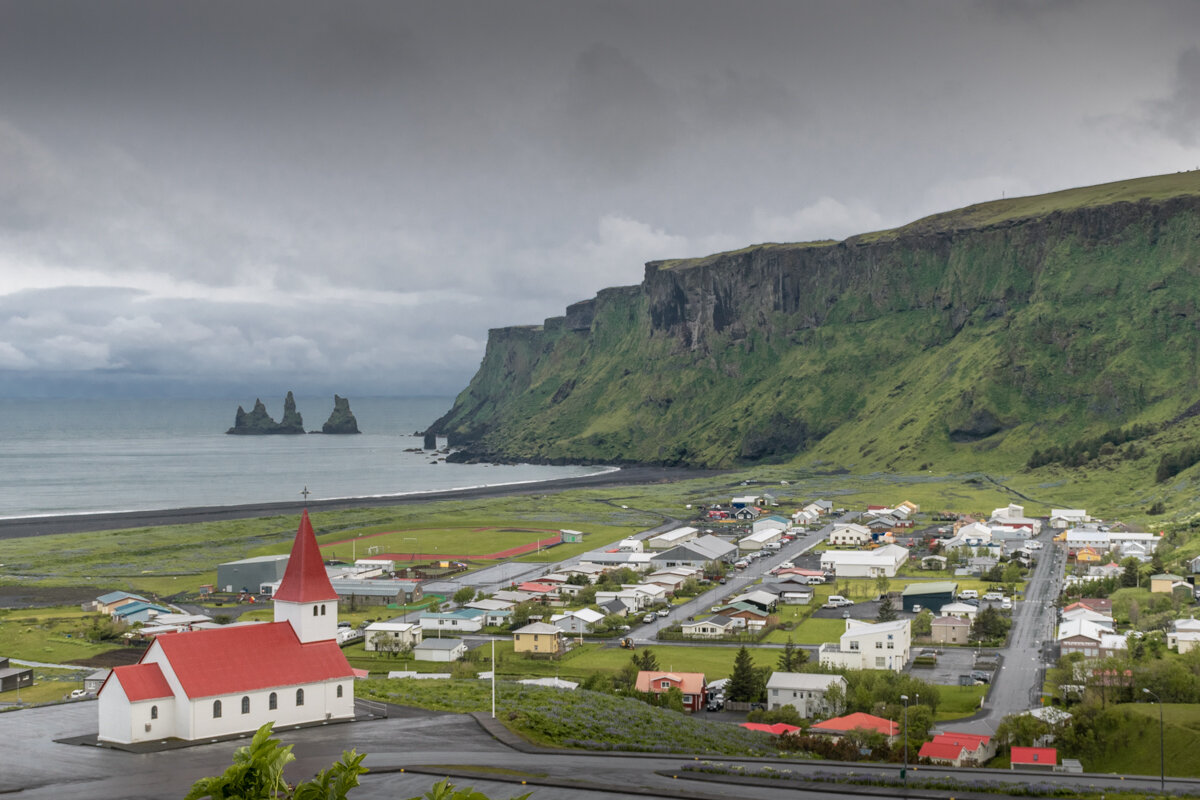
[690,683]
[840,726]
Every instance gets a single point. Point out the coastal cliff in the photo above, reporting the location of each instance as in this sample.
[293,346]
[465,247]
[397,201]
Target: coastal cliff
[969,337]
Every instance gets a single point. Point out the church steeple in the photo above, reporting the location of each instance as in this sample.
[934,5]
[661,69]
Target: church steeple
[306,598]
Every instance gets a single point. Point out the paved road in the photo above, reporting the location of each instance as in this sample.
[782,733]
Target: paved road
[37,768]
[1017,686]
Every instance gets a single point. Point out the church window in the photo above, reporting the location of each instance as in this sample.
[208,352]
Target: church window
[315,611]
[322,609]
[216,709]
[245,705]
[273,701]
[339,691]
[153,712]
[299,697]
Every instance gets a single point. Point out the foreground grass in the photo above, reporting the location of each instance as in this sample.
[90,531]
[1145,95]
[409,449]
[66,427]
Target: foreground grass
[578,719]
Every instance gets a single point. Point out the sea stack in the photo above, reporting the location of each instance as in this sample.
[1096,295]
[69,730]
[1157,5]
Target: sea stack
[342,419]
[259,423]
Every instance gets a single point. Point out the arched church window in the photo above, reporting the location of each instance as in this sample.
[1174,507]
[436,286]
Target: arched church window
[273,701]
[299,697]
[245,705]
[154,711]
[322,609]
[216,709]
[315,611]
[339,691]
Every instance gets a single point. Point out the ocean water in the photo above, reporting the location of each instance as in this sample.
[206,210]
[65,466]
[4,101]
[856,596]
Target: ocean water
[67,456]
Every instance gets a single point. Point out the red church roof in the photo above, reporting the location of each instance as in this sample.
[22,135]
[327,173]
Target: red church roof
[141,682]
[305,580]
[243,658]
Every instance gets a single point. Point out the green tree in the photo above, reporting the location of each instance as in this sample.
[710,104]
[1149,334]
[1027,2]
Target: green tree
[743,683]
[1129,575]
[792,657]
[673,699]
[887,612]
[646,660]
[882,584]
[257,774]
[1021,730]
[922,624]
[464,595]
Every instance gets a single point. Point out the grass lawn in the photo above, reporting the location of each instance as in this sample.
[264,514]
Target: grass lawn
[815,630]
[1135,749]
[958,701]
[52,635]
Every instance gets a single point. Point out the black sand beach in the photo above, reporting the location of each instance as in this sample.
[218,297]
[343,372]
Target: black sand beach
[79,523]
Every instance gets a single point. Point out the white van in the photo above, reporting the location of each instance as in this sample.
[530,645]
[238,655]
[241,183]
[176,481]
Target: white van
[968,594]
[813,580]
[1006,603]
[837,601]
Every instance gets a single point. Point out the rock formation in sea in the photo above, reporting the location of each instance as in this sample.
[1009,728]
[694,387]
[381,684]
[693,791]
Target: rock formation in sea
[259,423]
[342,419]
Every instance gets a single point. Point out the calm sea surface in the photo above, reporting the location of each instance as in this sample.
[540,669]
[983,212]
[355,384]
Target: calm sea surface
[77,456]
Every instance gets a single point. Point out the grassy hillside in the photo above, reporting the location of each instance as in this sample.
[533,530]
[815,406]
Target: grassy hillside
[964,342]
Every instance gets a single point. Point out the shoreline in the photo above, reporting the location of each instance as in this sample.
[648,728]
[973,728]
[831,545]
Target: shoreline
[24,527]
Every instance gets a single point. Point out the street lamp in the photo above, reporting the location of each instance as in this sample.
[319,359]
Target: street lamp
[1162,764]
[904,771]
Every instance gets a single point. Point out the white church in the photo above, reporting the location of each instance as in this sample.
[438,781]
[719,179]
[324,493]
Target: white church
[221,681]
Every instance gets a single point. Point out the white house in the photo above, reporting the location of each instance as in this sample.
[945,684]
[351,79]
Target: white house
[804,691]
[233,679]
[1184,634]
[773,522]
[1068,517]
[440,650]
[712,628]
[961,610]
[849,533]
[463,620]
[870,645]
[630,545]
[672,538]
[400,633]
[760,539]
[580,621]
[883,561]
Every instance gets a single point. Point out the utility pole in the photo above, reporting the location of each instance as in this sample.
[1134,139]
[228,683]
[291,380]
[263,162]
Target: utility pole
[904,769]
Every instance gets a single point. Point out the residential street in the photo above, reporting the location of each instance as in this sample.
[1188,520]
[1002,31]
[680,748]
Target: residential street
[1017,685]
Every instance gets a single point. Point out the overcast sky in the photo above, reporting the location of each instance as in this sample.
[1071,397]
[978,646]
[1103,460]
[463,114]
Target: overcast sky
[237,198]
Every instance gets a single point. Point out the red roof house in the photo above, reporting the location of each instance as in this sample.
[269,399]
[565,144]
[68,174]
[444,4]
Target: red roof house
[958,749]
[1043,758]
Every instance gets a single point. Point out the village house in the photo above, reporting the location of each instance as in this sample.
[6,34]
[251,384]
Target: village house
[961,610]
[463,620]
[849,534]
[290,671]
[804,691]
[959,749]
[539,638]
[443,650]
[696,553]
[1042,758]
[672,538]
[790,593]
[858,721]
[714,627]
[1184,635]
[580,621]
[1165,583]
[760,539]
[391,635]
[691,684]
[744,614]
[870,645]
[882,562]
[950,630]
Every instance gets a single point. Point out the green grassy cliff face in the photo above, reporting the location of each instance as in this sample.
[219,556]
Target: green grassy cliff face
[964,340]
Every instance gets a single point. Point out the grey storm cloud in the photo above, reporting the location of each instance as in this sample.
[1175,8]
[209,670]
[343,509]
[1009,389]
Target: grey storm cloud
[224,194]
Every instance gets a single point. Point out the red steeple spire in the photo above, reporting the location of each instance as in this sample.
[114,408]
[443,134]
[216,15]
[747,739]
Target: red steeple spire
[305,580]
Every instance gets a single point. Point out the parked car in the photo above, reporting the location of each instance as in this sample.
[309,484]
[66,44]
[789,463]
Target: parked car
[1006,603]
[663,612]
[968,594]
[916,608]
[837,601]
[649,618]
[994,596]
